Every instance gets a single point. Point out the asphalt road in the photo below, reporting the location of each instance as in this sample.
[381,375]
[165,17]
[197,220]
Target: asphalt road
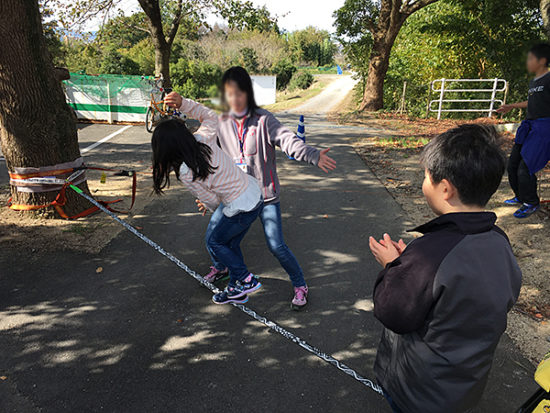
[142,336]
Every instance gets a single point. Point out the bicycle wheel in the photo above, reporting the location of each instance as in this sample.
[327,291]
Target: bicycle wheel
[150,119]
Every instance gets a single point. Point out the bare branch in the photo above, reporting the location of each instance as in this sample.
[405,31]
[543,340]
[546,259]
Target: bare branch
[411,6]
[178,15]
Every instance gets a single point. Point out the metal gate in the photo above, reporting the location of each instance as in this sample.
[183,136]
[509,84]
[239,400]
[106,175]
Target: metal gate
[498,86]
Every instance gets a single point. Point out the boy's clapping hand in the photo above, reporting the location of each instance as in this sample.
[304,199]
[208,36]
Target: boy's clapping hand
[386,250]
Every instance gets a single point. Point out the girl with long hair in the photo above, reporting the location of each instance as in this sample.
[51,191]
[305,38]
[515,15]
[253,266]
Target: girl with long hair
[212,176]
[249,135]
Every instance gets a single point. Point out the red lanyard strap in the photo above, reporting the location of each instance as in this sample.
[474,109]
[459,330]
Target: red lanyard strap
[241,131]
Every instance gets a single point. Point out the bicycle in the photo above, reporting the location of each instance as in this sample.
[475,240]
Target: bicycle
[158,110]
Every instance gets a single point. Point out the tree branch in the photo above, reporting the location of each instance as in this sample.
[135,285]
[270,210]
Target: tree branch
[178,15]
[410,6]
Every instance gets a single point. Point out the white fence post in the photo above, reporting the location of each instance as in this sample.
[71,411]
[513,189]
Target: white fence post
[493,96]
[403,98]
[441,99]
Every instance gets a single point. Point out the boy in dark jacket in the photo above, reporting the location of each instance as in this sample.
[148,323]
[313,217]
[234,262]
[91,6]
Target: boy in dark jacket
[444,298]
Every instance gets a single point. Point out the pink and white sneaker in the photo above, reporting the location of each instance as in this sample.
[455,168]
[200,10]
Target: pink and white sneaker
[216,275]
[300,297]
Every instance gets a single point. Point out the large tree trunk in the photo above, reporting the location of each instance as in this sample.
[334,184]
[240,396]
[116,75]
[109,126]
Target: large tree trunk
[392,15]
[545,11]
[373,95]
[36,125]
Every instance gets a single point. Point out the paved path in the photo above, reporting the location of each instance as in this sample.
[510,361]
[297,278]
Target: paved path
[144,337]
[325,101]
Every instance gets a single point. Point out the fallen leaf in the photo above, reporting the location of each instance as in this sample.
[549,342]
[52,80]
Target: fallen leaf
[99,270]
[3,378]
[543,323]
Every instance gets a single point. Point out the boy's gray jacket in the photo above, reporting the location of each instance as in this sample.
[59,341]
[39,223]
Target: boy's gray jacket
[264,133]
[444,304]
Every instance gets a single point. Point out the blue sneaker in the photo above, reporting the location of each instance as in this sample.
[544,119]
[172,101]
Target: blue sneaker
[250,284]
[234,293]
[513,201]
[526,210]
[227,297]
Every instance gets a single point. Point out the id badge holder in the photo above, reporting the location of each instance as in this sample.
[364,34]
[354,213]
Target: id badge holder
[241,164]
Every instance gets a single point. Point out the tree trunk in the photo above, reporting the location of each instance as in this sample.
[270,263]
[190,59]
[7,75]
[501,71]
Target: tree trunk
[162,63]
[36,125]
[373,95]
[162,45]
[545,12]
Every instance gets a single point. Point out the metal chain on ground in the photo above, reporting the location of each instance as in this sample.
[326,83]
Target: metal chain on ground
[275,327]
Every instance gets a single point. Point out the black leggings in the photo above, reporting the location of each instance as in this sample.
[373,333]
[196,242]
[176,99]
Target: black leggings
[523,183]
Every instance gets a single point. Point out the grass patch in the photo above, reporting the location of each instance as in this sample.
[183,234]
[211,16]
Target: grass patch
[409,142]
[82,229]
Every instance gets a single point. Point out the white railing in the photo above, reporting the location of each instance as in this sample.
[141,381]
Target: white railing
[498,86]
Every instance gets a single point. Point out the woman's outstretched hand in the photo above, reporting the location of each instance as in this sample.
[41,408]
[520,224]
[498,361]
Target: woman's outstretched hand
[326,163]
[173,99]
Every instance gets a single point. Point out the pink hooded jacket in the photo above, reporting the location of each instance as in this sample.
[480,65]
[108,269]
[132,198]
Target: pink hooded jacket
[263,134]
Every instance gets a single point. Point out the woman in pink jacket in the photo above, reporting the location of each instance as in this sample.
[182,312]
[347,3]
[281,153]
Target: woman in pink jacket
[249,135]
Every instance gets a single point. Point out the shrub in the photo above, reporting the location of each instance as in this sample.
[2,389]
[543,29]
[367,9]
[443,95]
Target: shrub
[195,78]
[301,80]
[249,60]
[213,91]
[116,64]
[283,69]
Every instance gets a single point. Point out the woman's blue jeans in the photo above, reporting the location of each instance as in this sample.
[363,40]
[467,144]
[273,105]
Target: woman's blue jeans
[223,240]
[271,219]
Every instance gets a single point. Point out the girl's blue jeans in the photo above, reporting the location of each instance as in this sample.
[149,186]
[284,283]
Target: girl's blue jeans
[270,215]
[223,240]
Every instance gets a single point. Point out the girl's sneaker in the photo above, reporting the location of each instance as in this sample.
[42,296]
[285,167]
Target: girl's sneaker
[513,201]
[234,293]
[526,210]
[226,297]
[250,284]
[216,275]
[300,297]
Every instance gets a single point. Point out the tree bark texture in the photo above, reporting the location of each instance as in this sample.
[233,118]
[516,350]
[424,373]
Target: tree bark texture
[36,125]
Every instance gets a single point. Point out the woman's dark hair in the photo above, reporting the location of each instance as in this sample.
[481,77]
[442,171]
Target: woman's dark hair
[240,76]
[470,158]
[172,145]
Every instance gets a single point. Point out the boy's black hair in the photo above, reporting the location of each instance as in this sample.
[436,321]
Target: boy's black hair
[541,51]
[243,80]
[173,144]
[470,158]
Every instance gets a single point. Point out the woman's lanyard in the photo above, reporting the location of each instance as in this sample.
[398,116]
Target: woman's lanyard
[241,131]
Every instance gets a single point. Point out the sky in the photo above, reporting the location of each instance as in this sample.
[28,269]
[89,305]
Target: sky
[293,14]
[298,14]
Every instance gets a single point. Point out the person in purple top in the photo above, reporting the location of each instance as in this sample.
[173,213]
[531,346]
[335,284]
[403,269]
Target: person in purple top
[250,135]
